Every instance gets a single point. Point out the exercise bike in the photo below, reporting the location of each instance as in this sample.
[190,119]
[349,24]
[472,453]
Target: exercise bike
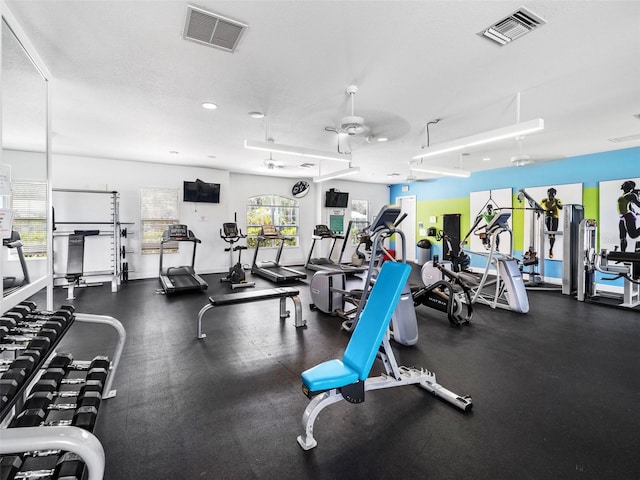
[445,291]
[236,276]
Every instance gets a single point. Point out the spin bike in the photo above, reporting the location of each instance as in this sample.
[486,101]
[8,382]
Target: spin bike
[236,276]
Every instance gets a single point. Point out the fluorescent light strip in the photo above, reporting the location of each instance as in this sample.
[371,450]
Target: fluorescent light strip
[450,172]
[290,150]
[511,131]
[336,174]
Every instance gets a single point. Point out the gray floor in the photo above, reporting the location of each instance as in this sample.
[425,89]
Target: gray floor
[555,393]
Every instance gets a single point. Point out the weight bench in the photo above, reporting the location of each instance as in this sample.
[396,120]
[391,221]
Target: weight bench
[256,296]
[346,379]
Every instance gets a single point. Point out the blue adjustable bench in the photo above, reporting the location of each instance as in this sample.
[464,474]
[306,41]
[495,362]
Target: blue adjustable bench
[347,379]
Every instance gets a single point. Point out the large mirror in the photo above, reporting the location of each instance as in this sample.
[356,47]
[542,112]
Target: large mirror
[23,169]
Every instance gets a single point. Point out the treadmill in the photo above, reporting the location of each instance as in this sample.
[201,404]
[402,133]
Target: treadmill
[11,284]
[180,279]
[272,270]
[325,263]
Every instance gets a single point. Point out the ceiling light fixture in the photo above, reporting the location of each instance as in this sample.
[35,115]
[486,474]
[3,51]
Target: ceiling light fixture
[256,114]
[503,133]
[450,172]
[382,139]
[336,174]
[291,150]
[209,106]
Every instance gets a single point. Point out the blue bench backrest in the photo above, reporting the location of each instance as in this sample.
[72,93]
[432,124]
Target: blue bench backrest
[374,320]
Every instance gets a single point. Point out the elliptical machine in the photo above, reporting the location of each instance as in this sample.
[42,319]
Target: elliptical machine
[236,276]
[329,293]
[446,291]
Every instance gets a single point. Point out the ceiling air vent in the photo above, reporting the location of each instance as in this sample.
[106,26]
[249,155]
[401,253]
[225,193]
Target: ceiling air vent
[629,138]
[211,29]
[519,23]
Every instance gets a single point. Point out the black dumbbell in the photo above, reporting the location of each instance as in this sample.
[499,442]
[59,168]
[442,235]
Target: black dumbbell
[8,389]
[65,361]
[23,314]
[9,466]
[39,342]
[68,467]
[9,337]
[84,417]
[28,360]
[45,400]
[12,325]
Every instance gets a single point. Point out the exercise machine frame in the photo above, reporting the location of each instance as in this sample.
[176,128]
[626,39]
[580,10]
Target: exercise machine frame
[183,278]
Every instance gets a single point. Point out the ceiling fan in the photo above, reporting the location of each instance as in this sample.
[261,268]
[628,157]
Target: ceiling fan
[351,124]
[523,159]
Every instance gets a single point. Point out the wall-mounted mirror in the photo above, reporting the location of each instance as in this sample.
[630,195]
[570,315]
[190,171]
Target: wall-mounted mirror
[24,167]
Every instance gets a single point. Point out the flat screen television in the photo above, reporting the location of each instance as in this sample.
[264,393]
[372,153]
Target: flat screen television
[334,199]
[200,191]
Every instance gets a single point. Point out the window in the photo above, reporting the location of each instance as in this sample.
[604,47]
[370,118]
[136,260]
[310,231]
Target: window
[359,218]
[272,210]
[29,201]
[159,209]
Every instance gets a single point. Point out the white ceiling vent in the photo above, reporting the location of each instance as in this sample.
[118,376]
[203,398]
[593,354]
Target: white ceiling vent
[519,23]
[211,29]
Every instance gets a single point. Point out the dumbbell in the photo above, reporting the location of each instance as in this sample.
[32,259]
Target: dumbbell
[42,343]
[44,401]
[15,373]
[12,324]
[83,417]
[9,337]
[35,320]
[68,467]
[50,381]
[30,308]
[28,360]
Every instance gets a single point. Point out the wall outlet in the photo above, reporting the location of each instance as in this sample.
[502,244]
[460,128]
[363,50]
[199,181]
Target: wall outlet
[433,219]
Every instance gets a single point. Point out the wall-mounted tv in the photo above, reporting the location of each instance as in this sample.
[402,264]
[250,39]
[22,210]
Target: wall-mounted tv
[200,191]
[335,199]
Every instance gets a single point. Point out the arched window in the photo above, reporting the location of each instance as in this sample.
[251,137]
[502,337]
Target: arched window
[275,210]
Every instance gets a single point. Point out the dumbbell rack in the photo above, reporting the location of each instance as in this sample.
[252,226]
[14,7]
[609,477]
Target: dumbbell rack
[67,438]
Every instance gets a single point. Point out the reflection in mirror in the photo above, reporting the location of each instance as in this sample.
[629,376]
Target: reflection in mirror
[24,159]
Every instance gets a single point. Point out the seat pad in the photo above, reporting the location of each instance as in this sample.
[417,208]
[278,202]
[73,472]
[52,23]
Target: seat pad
[328,375]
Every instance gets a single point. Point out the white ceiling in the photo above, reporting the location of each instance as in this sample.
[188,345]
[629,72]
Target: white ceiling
[128,86]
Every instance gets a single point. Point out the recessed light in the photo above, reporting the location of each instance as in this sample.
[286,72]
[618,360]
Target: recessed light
[256,114]
[486,159]
[382,139]
[209,106]
[174,152]
[212,156]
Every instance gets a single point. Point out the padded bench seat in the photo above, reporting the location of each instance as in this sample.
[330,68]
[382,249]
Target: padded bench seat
[252,296]
[248,296]
[328,375]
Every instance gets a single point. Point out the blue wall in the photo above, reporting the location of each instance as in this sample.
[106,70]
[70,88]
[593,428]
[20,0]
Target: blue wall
[585,169]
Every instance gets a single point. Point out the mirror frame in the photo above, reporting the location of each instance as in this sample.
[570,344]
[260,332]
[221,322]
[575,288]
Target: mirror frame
[47,280]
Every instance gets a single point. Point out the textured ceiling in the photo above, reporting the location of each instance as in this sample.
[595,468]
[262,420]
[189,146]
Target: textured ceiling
[127,86]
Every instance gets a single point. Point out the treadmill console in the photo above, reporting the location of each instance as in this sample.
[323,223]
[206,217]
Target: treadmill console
[178,231]
[323,231]
[270,231]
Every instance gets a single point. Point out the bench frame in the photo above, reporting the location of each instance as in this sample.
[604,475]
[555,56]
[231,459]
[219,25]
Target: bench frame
[281,293]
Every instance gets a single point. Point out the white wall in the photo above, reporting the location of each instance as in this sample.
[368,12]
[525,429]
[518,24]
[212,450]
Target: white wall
[312,211]
[127,178]
[205,220]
